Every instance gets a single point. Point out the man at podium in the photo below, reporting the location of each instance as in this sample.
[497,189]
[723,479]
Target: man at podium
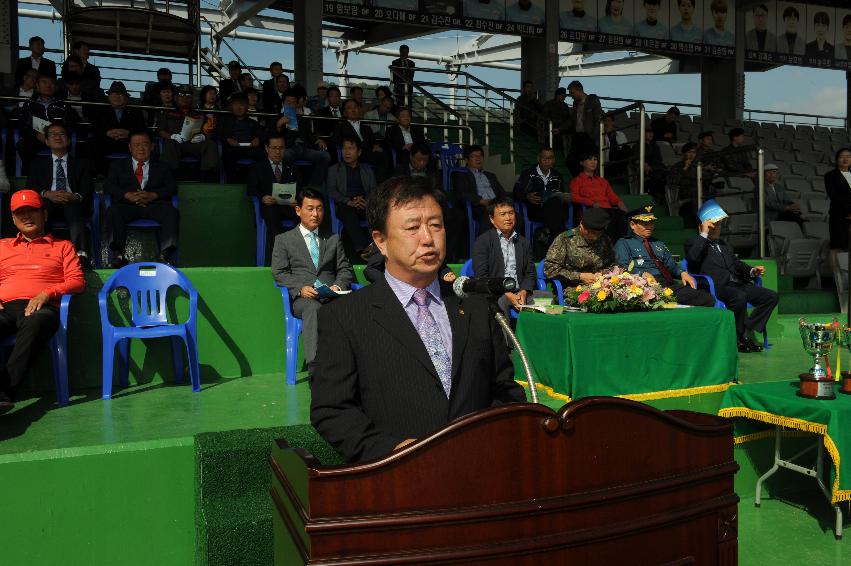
[396,361]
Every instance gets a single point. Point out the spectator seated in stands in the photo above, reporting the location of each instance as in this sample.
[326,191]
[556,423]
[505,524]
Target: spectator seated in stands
[400,137]
[777,206]
[115,124]
[665,127]
[45,107]
[682,178]
[151,95]
[301,144]
[373,153]
[350,184]
[837,184]
[502,252]
[240,136]
[593,191]
[262,175]
[246,81]
[73,92]
[167,96]
[231,85]
[356,94]
[616,150]
[65,183]
[306,258]
[383,112]
[738,164]
[587,114]
[705,151]
[35,271]
[709,255]
[420,164]
[542,189]
[527,107]
[275,87]
[639,253]
[141,189]
[557,112]
[185,121]
[208,99]
[25,89]
[579,255]
[381,92]
[89,72]
[36,61]
[477,186]
[331,110]
[318,100]
[655,172]
[253,99]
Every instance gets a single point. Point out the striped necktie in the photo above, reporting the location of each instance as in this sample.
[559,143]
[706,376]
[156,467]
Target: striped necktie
[61,179]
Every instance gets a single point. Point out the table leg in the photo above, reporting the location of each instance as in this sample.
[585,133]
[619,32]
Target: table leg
[772,471]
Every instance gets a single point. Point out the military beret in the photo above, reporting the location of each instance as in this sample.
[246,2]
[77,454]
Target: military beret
[595,219]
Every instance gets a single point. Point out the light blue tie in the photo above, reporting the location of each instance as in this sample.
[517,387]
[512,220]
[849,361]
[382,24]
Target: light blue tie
[313,248]
[430,334]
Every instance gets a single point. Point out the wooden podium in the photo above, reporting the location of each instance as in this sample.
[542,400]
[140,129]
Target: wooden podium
[603,481]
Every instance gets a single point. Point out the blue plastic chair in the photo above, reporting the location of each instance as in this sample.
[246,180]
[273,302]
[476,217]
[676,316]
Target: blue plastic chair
[58,346]
[292,329]
[141,224]
[336,224]
[148,291]
[467,268]
[542,283]
[262,231]
[719,304]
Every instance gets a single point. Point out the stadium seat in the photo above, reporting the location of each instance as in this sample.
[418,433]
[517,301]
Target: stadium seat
[292,329]
[542,283]
[796,255]
[804,169]
[817,212]
[799,185]
[58,347]
[147,285]
[260,255]
[822,168]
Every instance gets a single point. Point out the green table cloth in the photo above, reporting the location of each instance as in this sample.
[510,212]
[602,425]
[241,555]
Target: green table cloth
[777,404]
[638,355]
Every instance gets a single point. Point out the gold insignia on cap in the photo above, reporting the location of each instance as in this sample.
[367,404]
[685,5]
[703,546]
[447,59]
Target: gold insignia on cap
[646,216]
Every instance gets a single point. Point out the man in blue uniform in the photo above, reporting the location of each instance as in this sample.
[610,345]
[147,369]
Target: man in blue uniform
[639,252]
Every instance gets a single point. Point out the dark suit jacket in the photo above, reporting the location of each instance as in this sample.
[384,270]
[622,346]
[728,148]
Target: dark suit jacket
[261,176]
[591,115]
[45,67]
[293,267]
[225,129]
[345,130]
[122,179]
[721,267]
[488,261]
[375,385]
[79,176]
[226,88]
[395,141]
[464,186]
[838,192]
[272,100]
[326,127]
[131,119]
[432,176]
[336,186]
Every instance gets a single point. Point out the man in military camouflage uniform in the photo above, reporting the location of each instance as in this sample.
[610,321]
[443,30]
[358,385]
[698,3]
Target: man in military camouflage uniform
[579,255]
[639,252]
[174,146]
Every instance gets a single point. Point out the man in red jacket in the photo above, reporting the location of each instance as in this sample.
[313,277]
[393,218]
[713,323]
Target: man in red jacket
[35,271]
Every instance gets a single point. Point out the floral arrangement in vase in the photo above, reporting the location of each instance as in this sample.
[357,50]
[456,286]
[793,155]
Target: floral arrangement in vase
[618,291]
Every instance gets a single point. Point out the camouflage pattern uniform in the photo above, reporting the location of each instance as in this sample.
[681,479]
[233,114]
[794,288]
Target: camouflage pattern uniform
[570,254]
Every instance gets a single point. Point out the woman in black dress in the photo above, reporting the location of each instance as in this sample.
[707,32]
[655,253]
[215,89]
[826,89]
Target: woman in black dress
[837,183]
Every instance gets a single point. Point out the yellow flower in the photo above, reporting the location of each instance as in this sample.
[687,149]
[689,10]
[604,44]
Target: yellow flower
[601,295]
[578,288]
[650,279]
[616,280]
[596,285]
[667,292]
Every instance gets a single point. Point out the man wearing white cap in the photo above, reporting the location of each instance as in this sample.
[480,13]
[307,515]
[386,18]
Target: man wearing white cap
[707,254]
[777,206]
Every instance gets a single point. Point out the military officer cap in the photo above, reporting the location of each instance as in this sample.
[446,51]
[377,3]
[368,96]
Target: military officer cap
[642,214]
[595,219]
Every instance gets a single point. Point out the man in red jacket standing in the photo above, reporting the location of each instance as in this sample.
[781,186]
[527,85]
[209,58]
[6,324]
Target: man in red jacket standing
[35,271]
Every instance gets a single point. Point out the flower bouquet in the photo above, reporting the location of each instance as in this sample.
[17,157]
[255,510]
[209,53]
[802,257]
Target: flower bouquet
[618,291]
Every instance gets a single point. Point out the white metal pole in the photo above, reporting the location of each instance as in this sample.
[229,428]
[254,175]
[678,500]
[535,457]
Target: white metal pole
[761,200]
[641,151]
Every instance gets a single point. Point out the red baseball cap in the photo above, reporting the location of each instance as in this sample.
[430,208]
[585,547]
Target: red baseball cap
[24,198]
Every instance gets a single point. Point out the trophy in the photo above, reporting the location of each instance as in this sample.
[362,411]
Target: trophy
[845,340]
[818,340]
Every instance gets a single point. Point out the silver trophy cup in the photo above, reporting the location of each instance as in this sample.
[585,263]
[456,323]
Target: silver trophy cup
[818,339]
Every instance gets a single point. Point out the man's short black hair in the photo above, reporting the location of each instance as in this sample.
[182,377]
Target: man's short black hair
[504,200]
[35,38]
[576,84]
[420,148]
[308,192]
[405,47]
[791,12]
[79,44]
[396,192]
[164,71]
[350,101]
[471,149]
[821,18]
[762,7]
[276,136]
[656,2]
[688,147]
[528,82]
[385,89]
[238,97]
[352,139]
[275,64]
[72,78]
[135,133]
[736,132]
[297,90]
[331,89]
[545,148]
[846,20]
[48,127]
[354,88]
[839,152]
[74,59]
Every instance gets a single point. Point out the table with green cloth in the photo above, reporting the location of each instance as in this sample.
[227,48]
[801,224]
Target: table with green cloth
[778,404]
[638,355]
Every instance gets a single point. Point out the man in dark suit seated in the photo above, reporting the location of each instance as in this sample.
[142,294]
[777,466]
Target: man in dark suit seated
[151,95]
[400,137]
[230,86]
[350,184]
[371,150]
[272,95]
[240,136]
[45,106]
[709,255]
[397,361]
[502,252]
[262,175]
[141,189]
[306,258]
[65,183]
[477,186]
[116,123]
[301,143]
[35,61]
[542,188]
[333,109]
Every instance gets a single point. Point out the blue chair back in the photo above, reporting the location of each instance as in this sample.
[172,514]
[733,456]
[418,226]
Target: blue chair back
[467,269]
[148,285]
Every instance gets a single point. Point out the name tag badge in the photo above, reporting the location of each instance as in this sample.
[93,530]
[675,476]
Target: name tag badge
[640,261]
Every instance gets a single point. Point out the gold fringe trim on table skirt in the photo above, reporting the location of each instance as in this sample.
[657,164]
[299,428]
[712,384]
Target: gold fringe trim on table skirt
[678,392]
[837,494]
[546,389]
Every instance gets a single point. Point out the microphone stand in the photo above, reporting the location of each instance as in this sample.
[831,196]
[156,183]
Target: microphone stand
[503,323]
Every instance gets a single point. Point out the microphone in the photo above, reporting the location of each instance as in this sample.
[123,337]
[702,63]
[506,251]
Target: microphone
[465,286]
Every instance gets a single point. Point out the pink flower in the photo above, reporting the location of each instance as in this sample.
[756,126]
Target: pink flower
[584,296]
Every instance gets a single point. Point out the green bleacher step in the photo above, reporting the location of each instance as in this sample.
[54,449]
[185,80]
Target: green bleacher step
[808,301]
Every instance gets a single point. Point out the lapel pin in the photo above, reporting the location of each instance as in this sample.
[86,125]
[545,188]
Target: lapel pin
[460,311]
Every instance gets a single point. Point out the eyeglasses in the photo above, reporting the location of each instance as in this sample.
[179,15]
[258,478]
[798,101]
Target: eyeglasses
[57,135]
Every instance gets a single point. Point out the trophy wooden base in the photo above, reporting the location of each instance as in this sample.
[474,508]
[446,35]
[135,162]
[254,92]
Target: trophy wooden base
[846,382]
[813,388]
